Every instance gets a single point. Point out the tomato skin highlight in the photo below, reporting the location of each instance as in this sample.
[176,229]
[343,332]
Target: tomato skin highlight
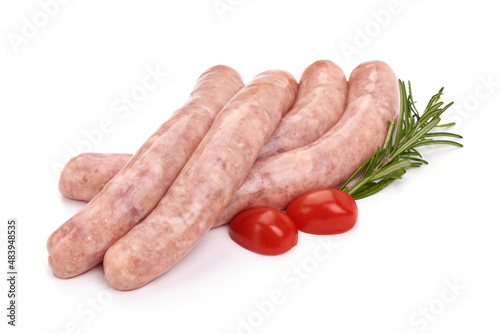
[323,211]
[264,230]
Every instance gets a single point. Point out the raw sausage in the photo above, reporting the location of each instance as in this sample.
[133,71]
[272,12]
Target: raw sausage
[205,185]
[80,243]
[320,102]
[85,175]
[373,100]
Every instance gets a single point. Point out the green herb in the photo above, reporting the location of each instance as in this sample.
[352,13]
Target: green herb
[399,152]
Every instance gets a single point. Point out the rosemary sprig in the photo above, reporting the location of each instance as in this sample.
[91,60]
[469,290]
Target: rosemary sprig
[399,152]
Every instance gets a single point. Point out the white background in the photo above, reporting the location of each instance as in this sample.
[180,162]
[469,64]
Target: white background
[438,225]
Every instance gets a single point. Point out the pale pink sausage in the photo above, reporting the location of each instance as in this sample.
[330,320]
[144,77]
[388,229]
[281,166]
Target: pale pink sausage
[85,175]
[373,100]
[320,102]
[205,184]
[80,243]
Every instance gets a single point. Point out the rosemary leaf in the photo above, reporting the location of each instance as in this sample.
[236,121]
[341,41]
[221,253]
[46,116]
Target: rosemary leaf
[442,134]
[434,142]
[375,188]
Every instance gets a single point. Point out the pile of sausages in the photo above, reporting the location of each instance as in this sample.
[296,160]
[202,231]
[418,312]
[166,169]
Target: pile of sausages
[229,147]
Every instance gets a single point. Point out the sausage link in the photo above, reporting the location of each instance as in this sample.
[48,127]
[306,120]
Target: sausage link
[373,99]
[85,175]
[80,243]
[320,102]
[204,186]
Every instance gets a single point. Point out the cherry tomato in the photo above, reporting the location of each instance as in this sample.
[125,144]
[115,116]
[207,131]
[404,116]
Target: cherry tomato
[264,230]
[323,211]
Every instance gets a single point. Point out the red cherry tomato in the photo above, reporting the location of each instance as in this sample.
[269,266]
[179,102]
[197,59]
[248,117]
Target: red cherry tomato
[264,230]
[323,211]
